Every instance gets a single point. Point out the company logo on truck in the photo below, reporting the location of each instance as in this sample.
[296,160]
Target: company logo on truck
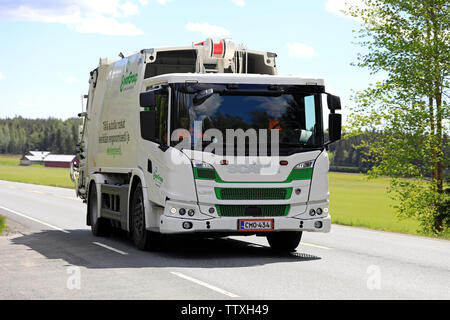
[157,178]
[129,79]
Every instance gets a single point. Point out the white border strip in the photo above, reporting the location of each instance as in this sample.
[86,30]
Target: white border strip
[34,219]
[209,286]
[109,248]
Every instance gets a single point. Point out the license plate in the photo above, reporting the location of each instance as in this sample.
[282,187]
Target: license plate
[255,224]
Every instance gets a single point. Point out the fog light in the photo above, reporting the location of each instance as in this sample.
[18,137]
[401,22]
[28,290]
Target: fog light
[211,210]
[191,212]
[318,224]
[187,225]
[298,191]
[312,212]
[319,211]
[182,211]
[325,210]
[173,210]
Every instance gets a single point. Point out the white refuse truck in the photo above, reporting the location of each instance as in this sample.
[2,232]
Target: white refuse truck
[208,140]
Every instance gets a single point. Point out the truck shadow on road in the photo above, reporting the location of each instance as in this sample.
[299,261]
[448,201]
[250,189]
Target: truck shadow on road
[78,248]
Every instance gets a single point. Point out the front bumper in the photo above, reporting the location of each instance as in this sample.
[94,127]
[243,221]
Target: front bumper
[168,224]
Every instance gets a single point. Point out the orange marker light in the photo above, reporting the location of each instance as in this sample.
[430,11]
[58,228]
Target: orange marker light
[283,162]
[224,162]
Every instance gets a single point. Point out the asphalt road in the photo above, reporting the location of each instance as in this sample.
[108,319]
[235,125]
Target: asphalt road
[51,254]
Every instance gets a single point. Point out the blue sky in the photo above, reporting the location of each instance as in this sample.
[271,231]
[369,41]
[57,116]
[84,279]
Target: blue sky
[48,47]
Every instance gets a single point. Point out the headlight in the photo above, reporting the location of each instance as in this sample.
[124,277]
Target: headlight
[305,165]
[201,165]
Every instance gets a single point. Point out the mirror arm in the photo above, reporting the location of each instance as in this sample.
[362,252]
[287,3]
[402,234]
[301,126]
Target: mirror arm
[163,147]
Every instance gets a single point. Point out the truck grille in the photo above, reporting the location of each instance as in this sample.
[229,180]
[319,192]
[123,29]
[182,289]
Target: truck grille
[253,193]
[252,211]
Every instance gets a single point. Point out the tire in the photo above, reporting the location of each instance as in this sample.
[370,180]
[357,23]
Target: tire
[284,241]
[99,226]
[142,238]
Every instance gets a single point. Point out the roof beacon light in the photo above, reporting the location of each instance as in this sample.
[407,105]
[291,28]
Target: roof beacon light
[224,48]
[219,49]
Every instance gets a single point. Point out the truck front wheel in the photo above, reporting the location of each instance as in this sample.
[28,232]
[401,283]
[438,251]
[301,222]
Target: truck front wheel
[284,241]
[142,238]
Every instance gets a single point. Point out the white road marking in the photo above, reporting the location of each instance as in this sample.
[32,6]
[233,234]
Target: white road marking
[34,219]
[314,245]
[35,191]
[209,286]
[109,248]
[66,197]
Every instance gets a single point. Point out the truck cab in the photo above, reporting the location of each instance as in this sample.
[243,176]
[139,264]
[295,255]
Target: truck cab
[205,140]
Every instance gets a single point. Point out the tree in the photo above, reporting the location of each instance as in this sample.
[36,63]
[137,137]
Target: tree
[19,135]
[408,41]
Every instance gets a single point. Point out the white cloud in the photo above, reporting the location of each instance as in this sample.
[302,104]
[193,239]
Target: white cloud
[337,6]
[1,76]
[69,80]
[107,26]
[163,2]
[100,16]
[129,9]
[297,49]
[207,29]
[240,3]
[143,2]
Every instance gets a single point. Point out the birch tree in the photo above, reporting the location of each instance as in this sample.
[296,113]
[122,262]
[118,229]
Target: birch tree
[407,42]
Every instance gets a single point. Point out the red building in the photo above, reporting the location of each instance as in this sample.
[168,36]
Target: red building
[59,160]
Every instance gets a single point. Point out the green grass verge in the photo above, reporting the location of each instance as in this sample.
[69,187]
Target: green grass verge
[356,201]
[2,224]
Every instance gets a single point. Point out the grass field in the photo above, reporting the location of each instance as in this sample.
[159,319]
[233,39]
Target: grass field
[9,161]
[354,200]
[37,174]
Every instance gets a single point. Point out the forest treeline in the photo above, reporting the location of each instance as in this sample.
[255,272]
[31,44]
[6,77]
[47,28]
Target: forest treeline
[20,135]
[345,155]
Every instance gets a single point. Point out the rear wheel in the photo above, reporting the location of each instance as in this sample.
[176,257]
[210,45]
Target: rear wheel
[142,238]
[99,226]
[284,241]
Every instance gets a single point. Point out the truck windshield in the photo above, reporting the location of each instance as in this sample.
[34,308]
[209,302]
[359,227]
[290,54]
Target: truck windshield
[292,110]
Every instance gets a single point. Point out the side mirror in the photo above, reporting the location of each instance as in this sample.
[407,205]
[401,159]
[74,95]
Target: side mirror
[147,99]
[201,97]
[333,102]
[148,125]
[334,126]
